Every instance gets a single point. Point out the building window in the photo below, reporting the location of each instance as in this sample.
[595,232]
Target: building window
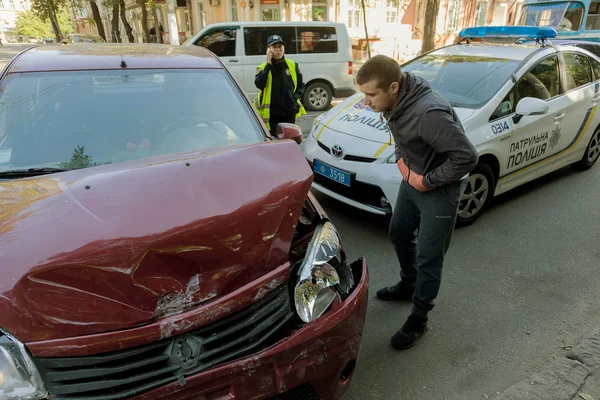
[453,15]
[234,10]
[391,13]
[11,4]
[270,14]
[354,13]
[1,5]
[481,13]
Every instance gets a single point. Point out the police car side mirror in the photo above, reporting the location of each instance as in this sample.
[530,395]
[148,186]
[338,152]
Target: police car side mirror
[289,131]
[529,106]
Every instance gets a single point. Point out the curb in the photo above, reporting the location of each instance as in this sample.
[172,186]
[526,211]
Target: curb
[565,378]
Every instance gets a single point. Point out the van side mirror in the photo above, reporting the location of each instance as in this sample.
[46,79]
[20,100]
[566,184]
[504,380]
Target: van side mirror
[289,131]
[528,106]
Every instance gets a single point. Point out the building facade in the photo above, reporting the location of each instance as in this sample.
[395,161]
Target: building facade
[9,10]
[395,27]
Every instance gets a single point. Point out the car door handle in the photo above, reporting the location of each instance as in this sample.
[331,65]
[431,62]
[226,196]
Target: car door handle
[234,60]
[560,117]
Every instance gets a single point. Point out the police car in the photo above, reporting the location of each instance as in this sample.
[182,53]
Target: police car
[529,106]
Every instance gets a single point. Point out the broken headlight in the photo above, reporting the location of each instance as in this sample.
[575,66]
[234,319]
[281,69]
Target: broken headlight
[321,273]
[19,378]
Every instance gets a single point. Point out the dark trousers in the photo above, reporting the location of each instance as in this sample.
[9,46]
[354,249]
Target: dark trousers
[276,119]
[421,229]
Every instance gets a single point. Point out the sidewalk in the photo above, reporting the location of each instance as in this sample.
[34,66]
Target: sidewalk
[575,376]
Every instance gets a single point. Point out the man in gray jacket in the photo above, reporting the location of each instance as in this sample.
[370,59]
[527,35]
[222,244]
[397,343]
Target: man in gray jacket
[434,157]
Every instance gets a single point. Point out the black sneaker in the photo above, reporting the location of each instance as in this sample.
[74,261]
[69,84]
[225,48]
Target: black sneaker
[398,292]
[406,337]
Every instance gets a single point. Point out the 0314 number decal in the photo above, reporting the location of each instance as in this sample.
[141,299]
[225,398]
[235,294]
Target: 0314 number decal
[500,127]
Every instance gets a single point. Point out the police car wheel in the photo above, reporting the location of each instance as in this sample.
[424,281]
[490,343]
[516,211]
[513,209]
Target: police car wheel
[592,153]
[477,195]
[318,96]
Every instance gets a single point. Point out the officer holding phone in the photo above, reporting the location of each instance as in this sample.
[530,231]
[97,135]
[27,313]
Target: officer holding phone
[281,87]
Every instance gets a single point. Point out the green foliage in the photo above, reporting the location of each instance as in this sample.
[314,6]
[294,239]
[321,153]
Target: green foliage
[64,21]
[78,160]
[30,24]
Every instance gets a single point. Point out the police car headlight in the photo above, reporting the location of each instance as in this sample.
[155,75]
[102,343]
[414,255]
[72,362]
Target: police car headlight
[316,123]
[318,274]
[19,378]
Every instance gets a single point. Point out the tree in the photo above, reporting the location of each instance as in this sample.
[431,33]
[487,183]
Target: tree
[29,24]
[125,23]
[115,22]
[147,38]
[47,10]
[431,14]
[98,19]
[64,21]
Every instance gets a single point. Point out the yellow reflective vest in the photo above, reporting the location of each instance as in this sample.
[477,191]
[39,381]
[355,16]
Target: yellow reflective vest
[263,101]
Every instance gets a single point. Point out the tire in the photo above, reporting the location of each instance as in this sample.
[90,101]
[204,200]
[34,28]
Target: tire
[318,96]
[592,152]
[477,195]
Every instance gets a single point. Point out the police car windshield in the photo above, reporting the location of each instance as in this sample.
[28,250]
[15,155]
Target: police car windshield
[463,80]
[72,120]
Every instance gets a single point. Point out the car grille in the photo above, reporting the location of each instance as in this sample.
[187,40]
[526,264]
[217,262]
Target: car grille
[348,157]
[124,373]
[361,192]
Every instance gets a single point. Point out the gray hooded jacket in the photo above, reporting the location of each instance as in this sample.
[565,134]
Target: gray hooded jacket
[428,134]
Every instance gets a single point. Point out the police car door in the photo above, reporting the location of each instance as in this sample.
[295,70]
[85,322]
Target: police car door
[582,95]
[530,139]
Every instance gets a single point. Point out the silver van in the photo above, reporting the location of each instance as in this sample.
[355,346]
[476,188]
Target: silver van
[322,50]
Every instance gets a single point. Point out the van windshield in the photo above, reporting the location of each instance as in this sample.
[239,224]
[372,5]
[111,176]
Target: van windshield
[563,16]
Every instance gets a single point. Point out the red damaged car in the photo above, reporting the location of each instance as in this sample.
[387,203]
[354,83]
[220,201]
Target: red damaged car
[156,243]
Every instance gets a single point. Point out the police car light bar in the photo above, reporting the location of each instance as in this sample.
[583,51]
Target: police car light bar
[524,32]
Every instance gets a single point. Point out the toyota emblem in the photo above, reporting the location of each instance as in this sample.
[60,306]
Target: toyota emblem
[337,151]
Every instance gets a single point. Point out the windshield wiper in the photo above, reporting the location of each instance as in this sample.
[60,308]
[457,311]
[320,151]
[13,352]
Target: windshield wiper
[23,173]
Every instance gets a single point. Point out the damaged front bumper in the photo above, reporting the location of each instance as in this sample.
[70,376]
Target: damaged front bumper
[255,352]
[321,355]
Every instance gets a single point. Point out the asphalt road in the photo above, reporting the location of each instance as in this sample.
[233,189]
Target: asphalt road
[518,284]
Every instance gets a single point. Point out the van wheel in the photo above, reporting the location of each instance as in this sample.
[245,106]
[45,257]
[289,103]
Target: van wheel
[318,96]
[592,152]
[477,195]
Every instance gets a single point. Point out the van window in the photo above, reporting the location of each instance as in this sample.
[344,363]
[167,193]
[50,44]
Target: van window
[317,40]
[220,41]
[255,39]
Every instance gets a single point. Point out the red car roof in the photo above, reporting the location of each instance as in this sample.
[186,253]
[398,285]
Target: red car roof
[74,57]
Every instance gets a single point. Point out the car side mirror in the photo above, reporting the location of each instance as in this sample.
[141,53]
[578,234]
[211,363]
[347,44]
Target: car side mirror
[286,130]
[529,106]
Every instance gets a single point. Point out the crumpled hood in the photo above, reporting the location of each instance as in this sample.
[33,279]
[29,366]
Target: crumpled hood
[122,245]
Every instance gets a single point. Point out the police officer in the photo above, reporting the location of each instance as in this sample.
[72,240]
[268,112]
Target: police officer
[281,87]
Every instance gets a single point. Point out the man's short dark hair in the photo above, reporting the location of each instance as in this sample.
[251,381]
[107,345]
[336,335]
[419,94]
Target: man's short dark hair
[381,68]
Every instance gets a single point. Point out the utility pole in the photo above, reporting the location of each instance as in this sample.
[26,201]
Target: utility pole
[173,31]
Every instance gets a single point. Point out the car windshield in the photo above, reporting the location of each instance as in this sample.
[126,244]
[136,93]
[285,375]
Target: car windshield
[86,118]
[564,16]
[463,80]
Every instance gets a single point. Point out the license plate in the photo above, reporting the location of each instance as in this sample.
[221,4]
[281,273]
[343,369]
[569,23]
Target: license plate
[332,173]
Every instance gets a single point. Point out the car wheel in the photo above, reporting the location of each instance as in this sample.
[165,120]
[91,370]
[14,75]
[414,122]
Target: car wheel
[477,195]
[318,96]
[592,152]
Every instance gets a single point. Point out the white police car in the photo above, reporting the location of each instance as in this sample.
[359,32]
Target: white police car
[528,106]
